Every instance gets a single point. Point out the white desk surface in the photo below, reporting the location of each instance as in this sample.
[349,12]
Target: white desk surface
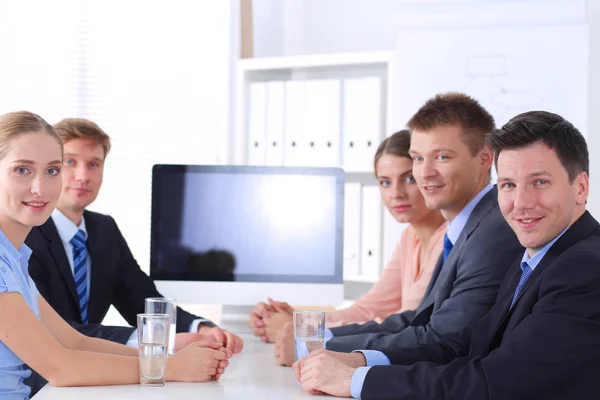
[252,374]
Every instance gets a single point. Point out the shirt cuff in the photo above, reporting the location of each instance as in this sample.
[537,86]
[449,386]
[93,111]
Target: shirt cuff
[133,340]
[328,335]
[195,323]
[358,381]
[374,357]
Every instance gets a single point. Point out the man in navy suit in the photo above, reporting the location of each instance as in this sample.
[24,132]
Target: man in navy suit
[109,274]
[541,339]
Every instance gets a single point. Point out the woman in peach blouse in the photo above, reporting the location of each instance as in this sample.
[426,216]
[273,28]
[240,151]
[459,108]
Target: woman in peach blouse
[404,280]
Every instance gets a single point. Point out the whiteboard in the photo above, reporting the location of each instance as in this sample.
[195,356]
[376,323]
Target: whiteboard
[509,70]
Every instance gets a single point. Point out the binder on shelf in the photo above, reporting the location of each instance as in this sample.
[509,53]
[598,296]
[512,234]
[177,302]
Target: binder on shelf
[275,123]
[371,229]
[322,140]
[256,150]
[352,229]
[362,122]
[294,151]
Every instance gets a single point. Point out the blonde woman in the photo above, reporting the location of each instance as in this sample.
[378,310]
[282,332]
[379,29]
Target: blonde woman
[31,331]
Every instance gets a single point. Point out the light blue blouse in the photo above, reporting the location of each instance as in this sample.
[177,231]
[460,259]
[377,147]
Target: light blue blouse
[14,277]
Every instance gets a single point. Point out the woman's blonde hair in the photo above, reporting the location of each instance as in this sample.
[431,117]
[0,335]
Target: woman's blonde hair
[17,123]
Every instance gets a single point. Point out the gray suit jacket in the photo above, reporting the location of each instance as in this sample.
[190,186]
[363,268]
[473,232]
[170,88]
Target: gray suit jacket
[461,290]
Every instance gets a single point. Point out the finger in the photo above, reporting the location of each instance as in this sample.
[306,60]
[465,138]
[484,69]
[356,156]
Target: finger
[223,364]
[229,340]
[309,385]
[220,371]
[220,355]
[296,369]
[211,344]
[259,324]
[216,377]
[239,345]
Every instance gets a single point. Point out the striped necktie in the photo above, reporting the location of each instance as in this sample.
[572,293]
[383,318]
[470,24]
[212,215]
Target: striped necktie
[524,277]
[80,272]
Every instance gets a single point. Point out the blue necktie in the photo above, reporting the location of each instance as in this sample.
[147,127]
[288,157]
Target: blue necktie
[447,247]
[80,272]
[524,276]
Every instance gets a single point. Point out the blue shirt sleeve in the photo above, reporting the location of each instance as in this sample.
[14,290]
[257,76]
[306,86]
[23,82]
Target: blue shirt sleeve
[195,323]
[328,335]
[133,340]
[374,357]
[358,381]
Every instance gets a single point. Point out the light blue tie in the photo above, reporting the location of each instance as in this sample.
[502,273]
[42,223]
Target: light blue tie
[524,276]
[447,247]
[80,272]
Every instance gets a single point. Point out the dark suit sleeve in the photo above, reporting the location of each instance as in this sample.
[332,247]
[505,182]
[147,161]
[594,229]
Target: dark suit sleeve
[135,286]
[552,353]
[119,334]
[391,324]
[473,292]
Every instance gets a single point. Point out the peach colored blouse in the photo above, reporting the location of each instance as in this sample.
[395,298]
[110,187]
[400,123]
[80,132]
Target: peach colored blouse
[401,285]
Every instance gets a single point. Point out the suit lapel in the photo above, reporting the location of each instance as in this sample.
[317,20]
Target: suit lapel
[61,262]
[582,228]
[96,254]
[442,271]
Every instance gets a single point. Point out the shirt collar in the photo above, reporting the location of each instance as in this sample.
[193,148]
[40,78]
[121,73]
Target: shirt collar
[537,257]
[65,227]
[23,253]
[456,226]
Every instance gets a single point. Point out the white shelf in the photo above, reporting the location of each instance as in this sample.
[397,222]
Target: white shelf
[360,278]
[315,61]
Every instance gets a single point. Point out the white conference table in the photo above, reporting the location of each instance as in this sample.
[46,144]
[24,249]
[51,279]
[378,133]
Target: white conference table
[252,374]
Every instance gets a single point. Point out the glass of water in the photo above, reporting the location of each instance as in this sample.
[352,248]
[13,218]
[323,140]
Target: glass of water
[153,337]
[309,331]
[160,305]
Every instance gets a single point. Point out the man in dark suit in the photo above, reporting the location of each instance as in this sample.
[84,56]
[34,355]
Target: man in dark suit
[452,168]
[541,339]
[81,263]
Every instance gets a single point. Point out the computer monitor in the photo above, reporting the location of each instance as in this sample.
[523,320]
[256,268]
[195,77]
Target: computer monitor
[236,234]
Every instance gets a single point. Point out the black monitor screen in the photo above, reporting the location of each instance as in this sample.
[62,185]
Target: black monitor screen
[250,224]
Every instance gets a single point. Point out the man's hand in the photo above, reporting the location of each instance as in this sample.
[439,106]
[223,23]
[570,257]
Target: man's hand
[264,311]
[321,372]
[231,342]
[196,364]
[353,360]
[275,323]
[285,352]
[184,339]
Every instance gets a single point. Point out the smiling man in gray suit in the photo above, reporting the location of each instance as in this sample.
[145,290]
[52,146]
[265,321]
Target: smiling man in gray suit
[452,168]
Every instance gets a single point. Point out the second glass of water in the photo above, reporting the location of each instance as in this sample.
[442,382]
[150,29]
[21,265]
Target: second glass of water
[309,330]
[153,336]
[161,305]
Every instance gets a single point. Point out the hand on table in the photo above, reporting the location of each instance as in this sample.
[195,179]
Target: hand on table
[266,319]
[230,341]
[285,352]
[195,363]
[323,372]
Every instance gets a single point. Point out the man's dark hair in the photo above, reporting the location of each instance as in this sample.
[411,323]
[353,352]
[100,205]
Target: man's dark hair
[550,129]
[455,109]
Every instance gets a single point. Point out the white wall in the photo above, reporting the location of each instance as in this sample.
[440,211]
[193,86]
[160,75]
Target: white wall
[592,135]
[292,27]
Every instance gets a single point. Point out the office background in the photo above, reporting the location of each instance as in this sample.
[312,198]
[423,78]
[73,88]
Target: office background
[167,81]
